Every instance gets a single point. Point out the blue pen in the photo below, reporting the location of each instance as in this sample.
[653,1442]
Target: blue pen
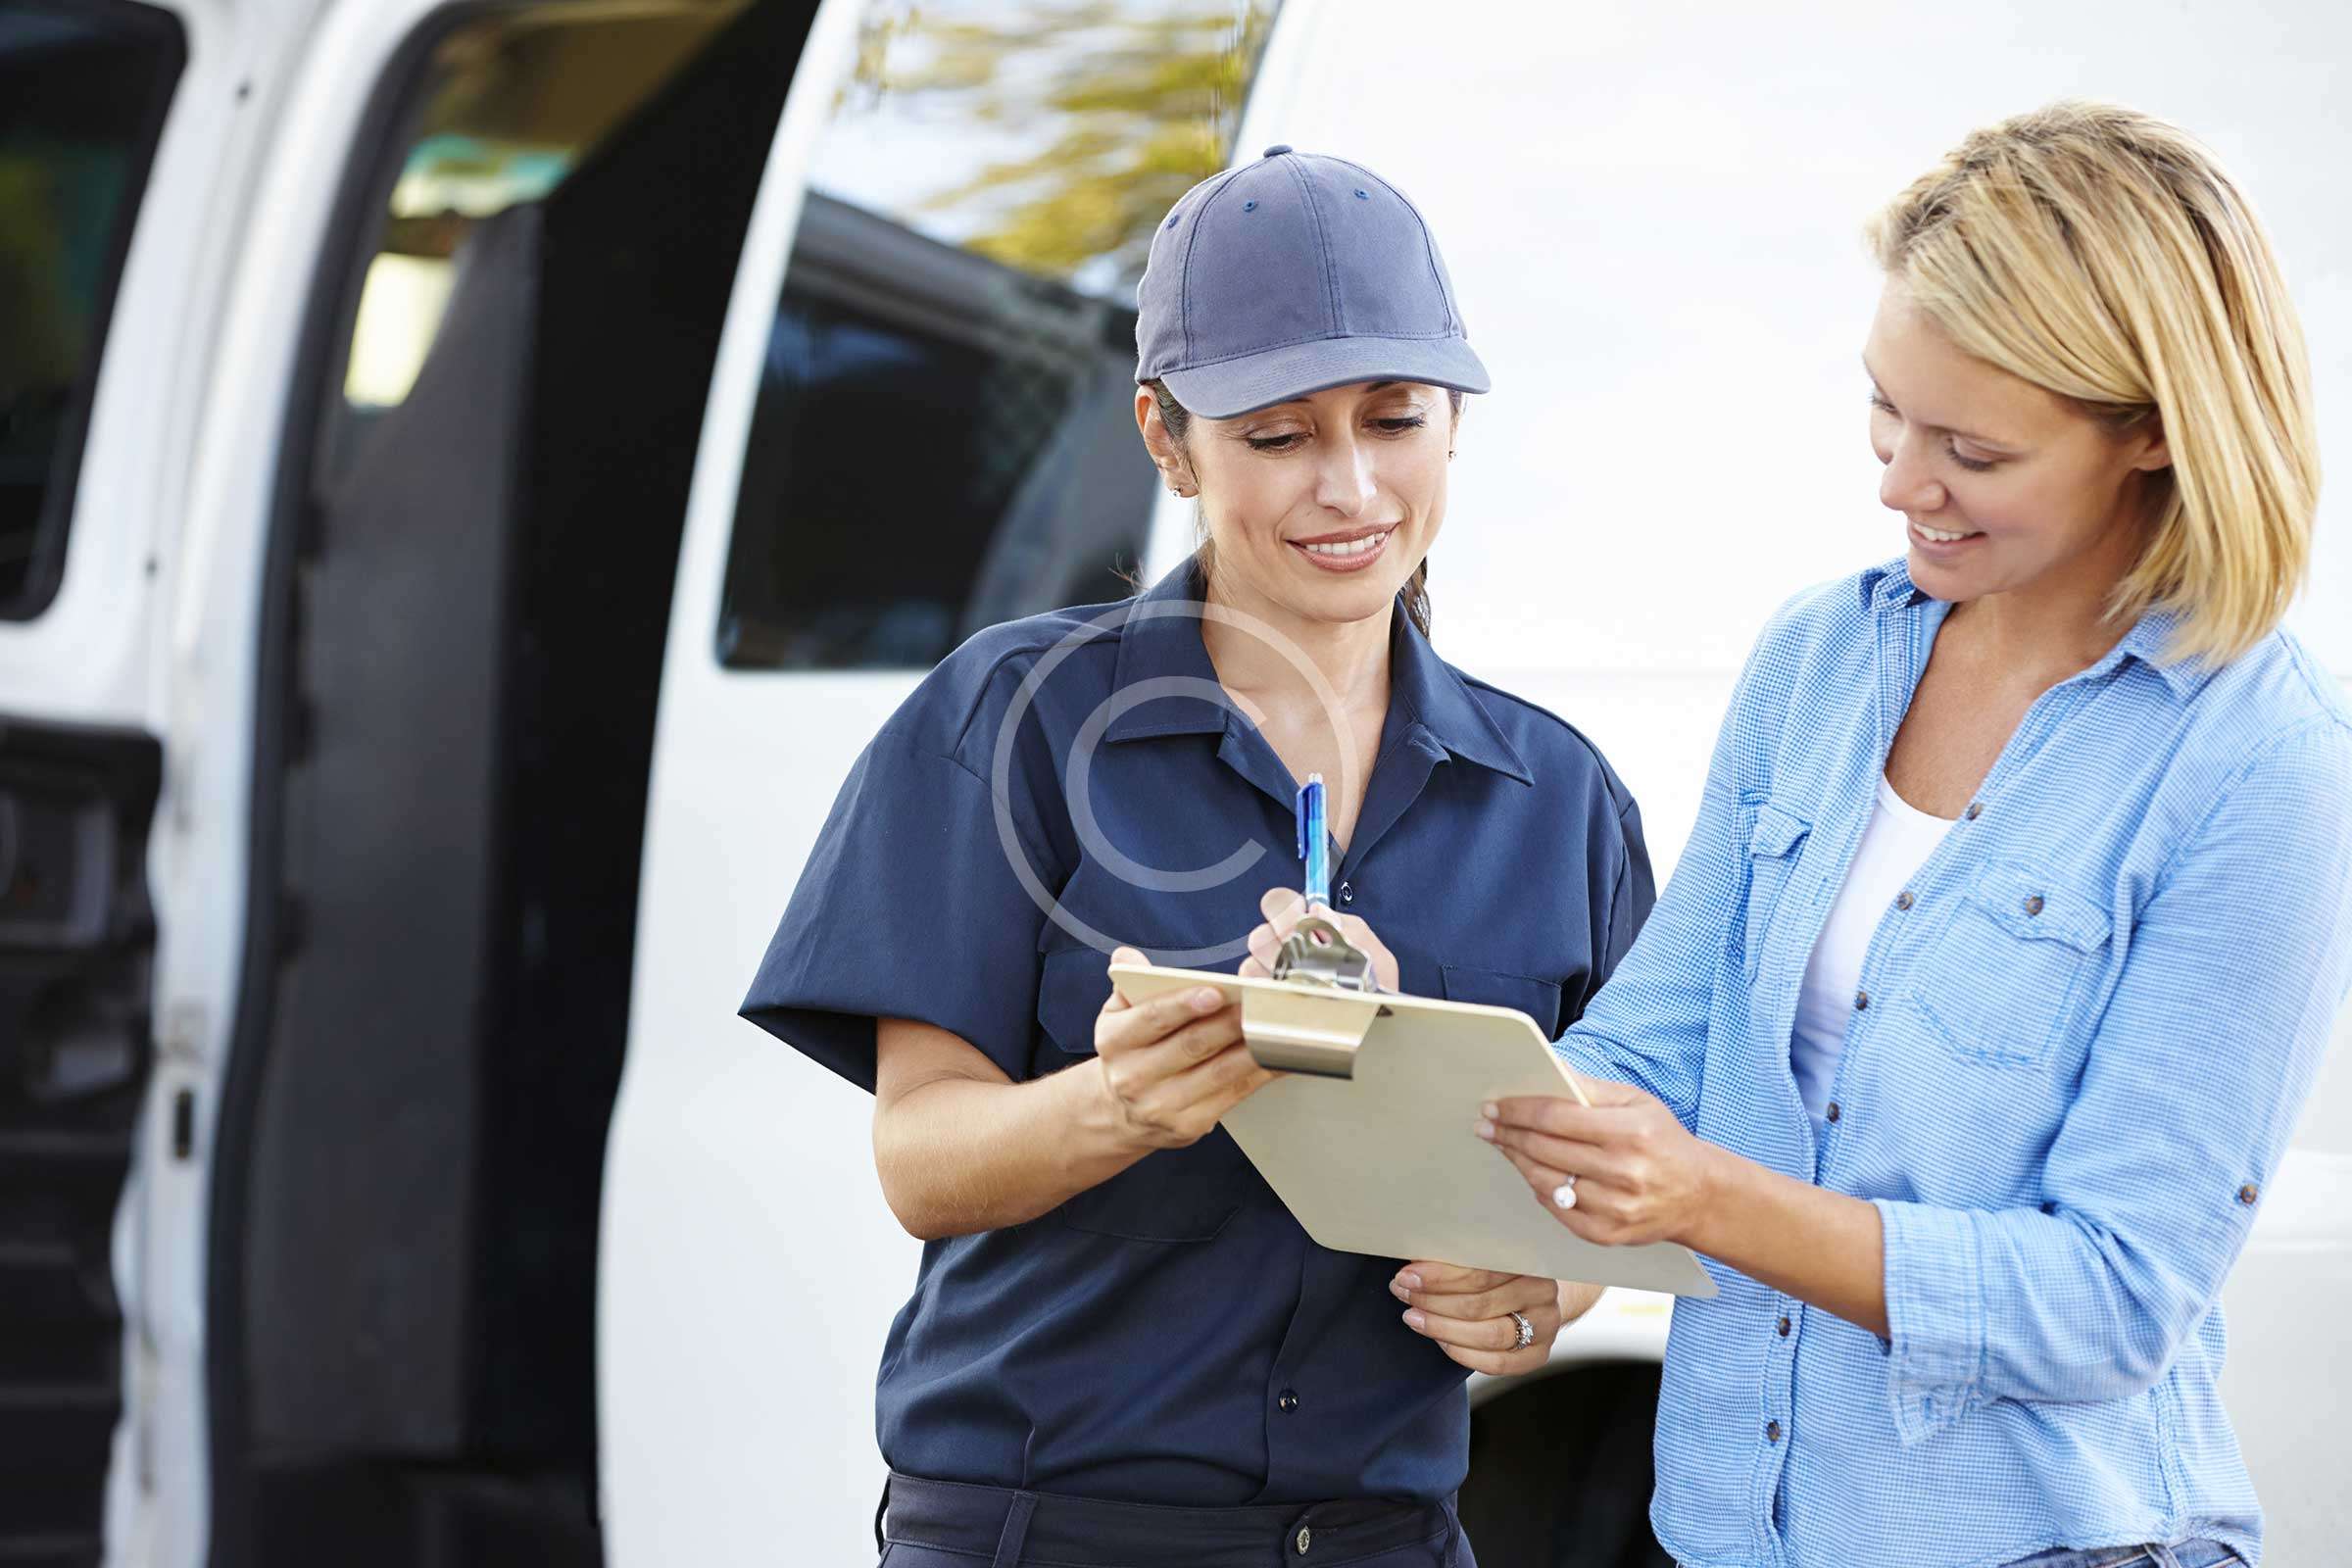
[1314,841]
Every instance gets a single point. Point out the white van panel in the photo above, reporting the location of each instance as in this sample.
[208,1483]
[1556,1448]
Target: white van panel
[183,463]
[749,1269]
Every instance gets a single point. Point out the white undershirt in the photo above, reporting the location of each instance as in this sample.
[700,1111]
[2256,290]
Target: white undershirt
[1896,844]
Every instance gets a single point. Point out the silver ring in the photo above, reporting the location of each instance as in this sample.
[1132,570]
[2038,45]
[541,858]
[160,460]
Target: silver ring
[1527,1331]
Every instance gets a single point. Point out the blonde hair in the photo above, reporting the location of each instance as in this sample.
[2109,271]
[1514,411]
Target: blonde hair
[2102,255]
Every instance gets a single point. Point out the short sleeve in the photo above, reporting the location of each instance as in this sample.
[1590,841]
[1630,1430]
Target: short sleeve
[909,907]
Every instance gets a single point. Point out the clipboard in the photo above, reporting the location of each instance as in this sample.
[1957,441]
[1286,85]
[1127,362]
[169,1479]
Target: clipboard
[1368,1142]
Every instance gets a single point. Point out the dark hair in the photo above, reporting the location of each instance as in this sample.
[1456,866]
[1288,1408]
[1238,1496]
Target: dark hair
[1178,418]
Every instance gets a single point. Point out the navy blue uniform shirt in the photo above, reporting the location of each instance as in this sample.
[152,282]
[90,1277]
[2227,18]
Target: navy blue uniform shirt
[1172,1336]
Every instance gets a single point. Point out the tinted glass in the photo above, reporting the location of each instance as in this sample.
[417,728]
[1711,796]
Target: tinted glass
[944,435]
[83,90]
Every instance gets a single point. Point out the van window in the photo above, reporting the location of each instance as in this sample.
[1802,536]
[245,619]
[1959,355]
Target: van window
[514,103]
[944,435]
[83,90]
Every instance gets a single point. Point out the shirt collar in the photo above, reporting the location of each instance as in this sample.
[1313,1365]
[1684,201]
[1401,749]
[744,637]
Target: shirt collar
[1887,588]
[1161,639]
[2147,641]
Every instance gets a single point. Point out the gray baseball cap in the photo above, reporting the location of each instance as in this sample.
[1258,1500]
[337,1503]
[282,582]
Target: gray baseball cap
[1291,275]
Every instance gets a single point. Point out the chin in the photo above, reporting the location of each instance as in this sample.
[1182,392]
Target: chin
[1351,600]
[1944,580]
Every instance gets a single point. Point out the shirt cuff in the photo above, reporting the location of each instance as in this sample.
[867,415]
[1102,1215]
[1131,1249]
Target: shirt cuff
[1934,1316]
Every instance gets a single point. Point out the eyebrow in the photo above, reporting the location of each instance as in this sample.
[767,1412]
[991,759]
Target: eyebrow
[1940,430]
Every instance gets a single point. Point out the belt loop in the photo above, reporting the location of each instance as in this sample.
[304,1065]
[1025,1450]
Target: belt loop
[881,1510]
[2162,1557]
[1010,1545]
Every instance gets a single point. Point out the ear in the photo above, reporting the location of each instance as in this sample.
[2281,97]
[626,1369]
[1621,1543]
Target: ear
[1160,442]
[2157,453]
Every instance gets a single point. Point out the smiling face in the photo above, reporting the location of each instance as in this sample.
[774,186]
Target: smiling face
[1321,508]
[2003,485]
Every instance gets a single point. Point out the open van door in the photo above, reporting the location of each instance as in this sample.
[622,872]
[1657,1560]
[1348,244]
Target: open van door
[87,222]
[351,358]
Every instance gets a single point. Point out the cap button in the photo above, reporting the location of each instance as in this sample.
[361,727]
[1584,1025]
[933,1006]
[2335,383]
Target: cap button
[1278,148]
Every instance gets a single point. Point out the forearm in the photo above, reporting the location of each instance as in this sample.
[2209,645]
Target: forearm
[1826,1249]
[958,1155]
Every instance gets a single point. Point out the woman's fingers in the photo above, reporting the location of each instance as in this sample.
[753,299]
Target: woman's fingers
[1557,1153]
[1231,1075]
[1189,1046]
[1454,1279]
[1282,908]
[1559,1117]
[1499,1363]
[1471,1334]
[1133,1027]
[1586,1217]
[1520,1293]
[1491,1343]
[1127,956]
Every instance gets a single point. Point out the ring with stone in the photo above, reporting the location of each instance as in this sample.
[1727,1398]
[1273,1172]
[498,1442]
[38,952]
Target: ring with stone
[1564,1195]
[1527,1331]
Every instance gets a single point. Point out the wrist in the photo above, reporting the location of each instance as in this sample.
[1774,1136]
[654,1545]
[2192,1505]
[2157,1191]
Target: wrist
[1722,1182]
[1104,1142]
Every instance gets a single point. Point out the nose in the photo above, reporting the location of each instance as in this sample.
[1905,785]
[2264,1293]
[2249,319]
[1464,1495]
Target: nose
[1345,481]
[1906,485]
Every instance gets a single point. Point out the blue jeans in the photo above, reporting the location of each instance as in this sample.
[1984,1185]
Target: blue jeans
[2179,1554]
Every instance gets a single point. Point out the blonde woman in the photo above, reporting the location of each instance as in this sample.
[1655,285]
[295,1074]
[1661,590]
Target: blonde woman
[1975,1018]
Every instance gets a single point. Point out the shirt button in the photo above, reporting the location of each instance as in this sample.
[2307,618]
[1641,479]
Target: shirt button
[1347,892]
[1772,1432]
[1288,1400]
[1861,1001]
[1975,808]
[1833,1112]
[2033,904]
[1307,1539]
[1904,900]
[1781,1328]
[2248,1192]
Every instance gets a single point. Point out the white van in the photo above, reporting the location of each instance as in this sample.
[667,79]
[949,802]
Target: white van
[473,477]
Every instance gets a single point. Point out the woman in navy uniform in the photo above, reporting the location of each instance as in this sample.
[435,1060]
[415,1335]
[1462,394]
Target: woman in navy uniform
[1122,1348]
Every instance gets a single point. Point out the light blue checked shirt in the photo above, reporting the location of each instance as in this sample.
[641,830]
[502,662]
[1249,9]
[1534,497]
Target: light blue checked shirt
[2077,1056]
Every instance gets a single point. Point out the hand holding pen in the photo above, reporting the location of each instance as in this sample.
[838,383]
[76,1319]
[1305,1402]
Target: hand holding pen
[1285,907]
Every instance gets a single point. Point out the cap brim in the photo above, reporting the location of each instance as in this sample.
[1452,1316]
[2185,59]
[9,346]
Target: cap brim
[1229,387]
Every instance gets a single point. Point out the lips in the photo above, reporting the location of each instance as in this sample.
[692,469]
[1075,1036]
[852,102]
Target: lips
[1349,550]
[1943,539]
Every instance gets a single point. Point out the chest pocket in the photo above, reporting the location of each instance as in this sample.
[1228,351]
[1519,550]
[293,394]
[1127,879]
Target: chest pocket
[2016,969]
[1774,842]
[1171,1194]
[1540,1000]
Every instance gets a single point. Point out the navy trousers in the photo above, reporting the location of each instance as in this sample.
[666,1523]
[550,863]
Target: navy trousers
[945,1524]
